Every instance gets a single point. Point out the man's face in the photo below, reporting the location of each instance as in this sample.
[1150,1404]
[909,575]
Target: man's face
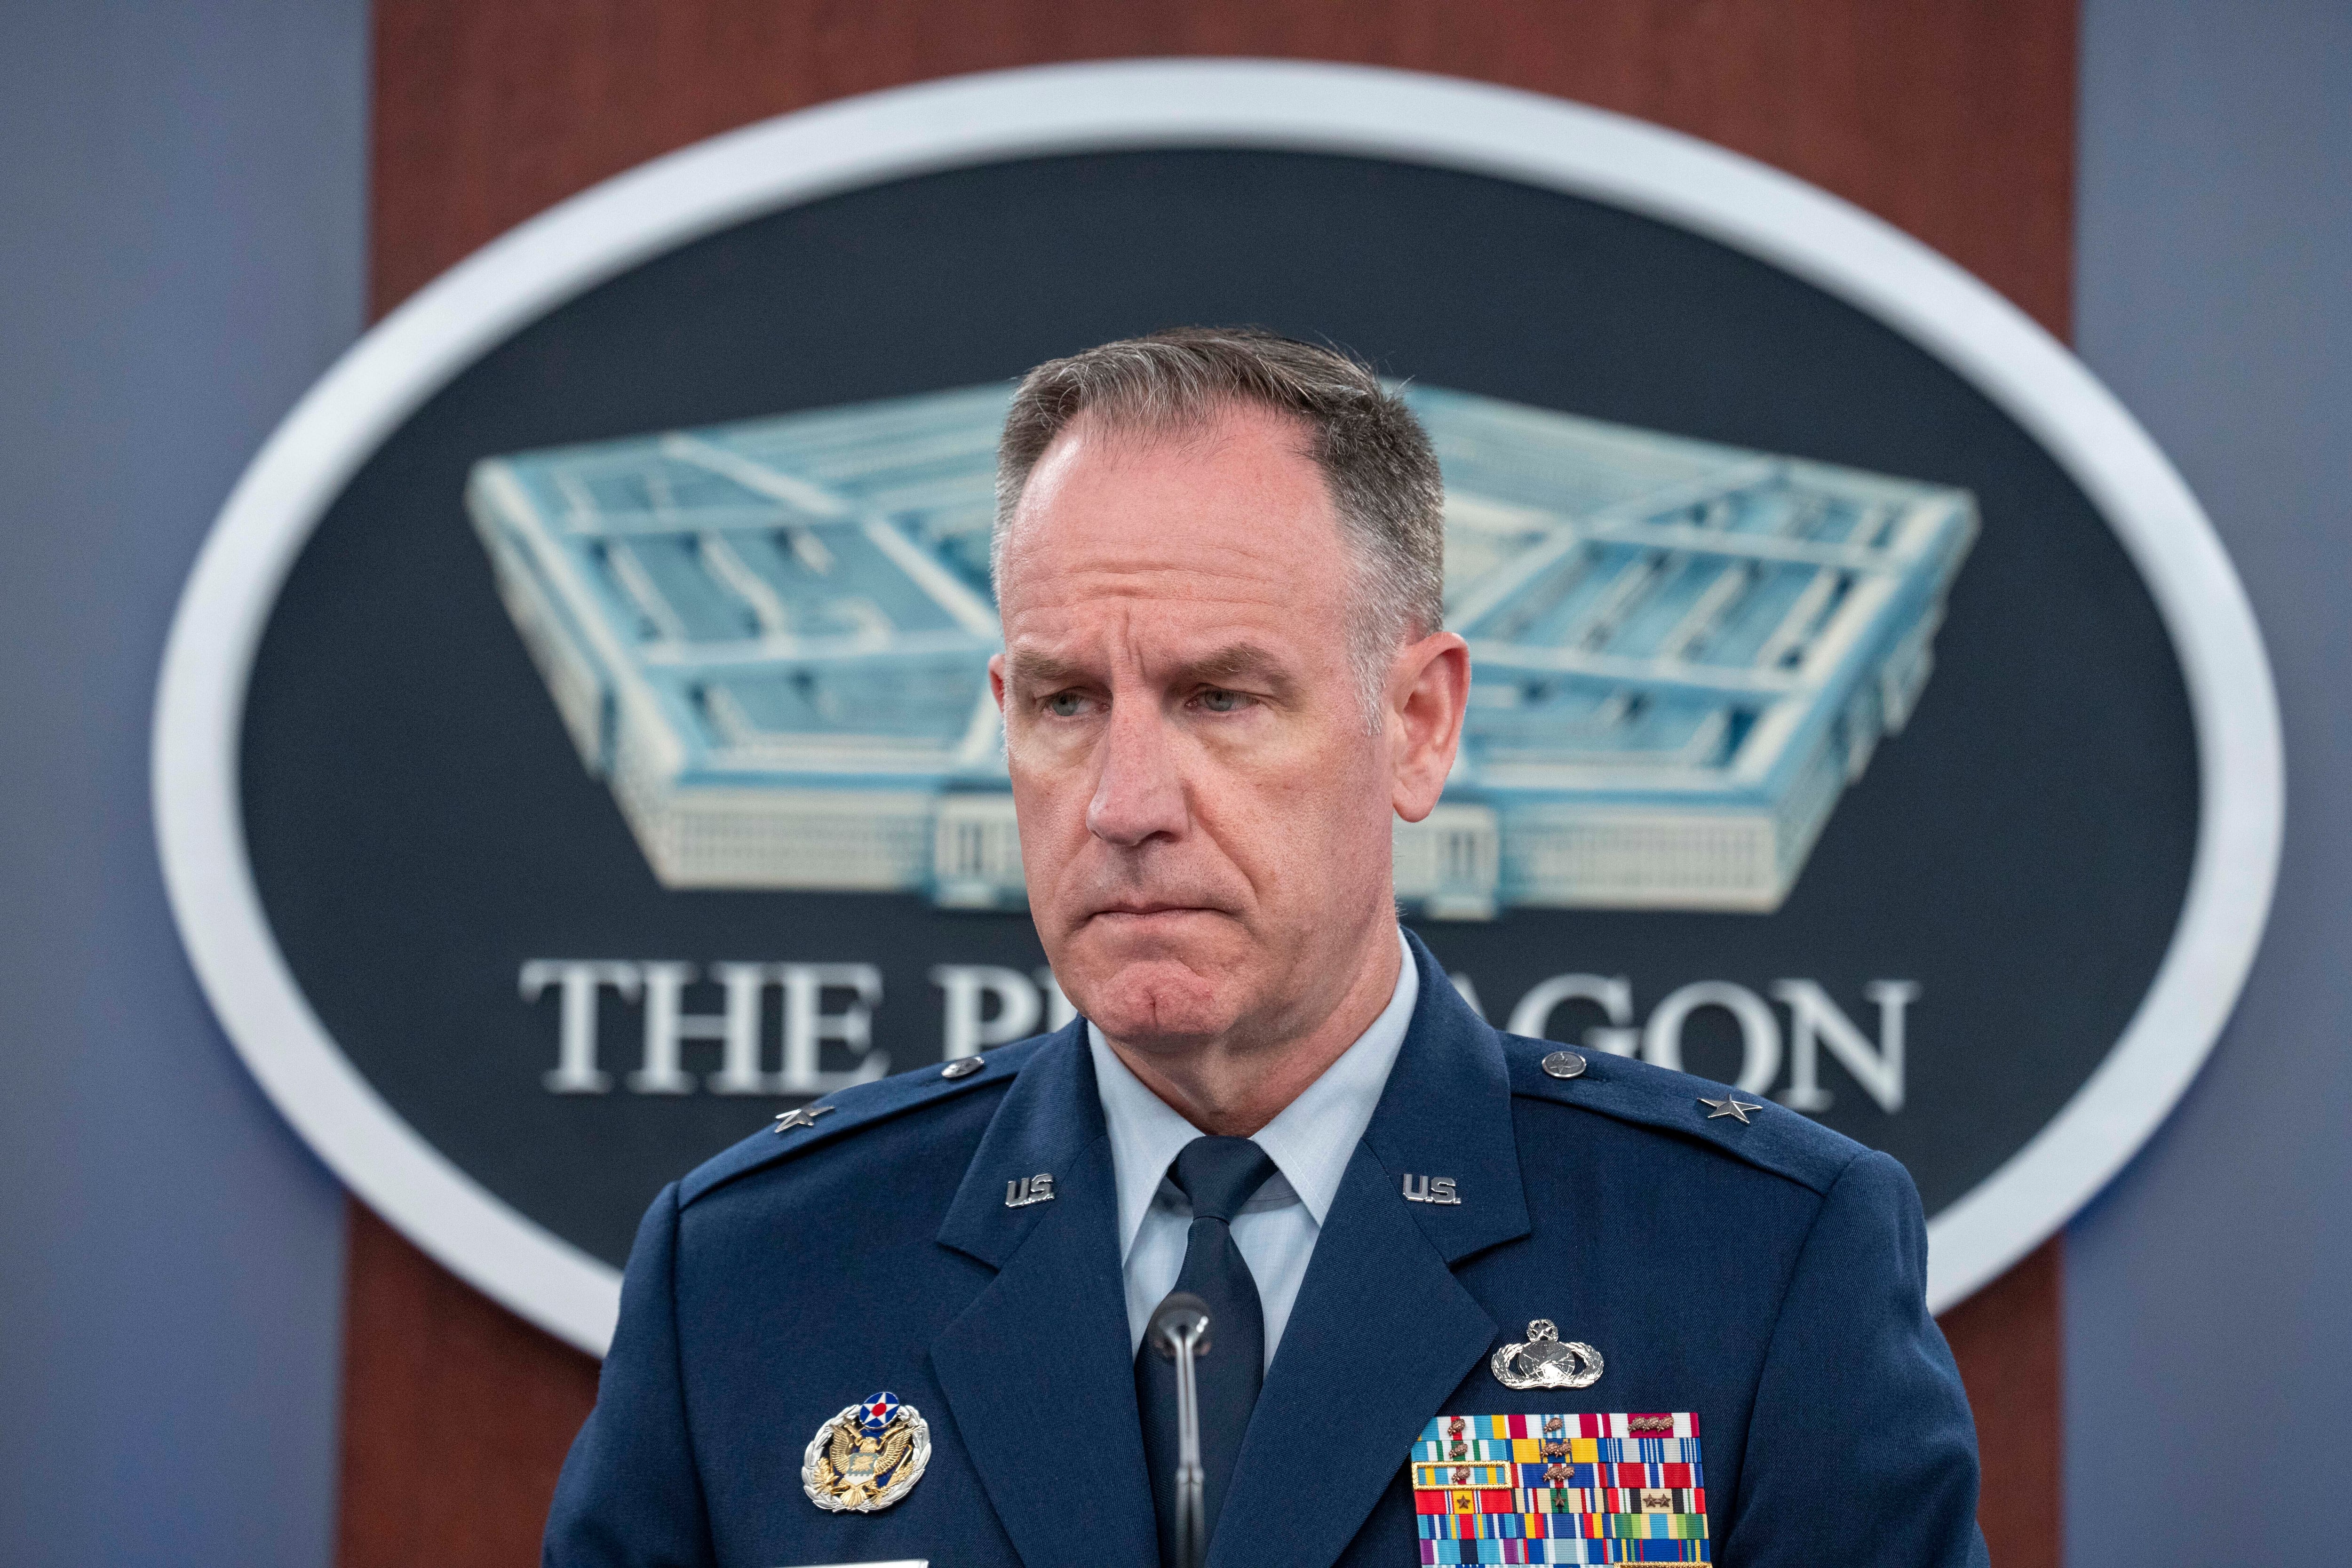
[1205,813]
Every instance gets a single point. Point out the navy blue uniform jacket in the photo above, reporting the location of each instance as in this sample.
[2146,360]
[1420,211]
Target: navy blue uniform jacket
[1767,1277]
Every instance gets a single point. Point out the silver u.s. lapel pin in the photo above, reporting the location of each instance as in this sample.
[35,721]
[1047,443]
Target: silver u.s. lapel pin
[1430,1190]
[1023,1191]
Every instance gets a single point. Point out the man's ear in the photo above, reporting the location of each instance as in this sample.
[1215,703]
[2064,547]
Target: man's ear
[1428,689]
[996,680]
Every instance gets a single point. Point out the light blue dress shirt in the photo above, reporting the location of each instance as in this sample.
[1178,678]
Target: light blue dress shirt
[1310,1145]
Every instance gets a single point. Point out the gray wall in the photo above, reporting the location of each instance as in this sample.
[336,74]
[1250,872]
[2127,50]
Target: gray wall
[182,217]
[2208,1359]
[182,214]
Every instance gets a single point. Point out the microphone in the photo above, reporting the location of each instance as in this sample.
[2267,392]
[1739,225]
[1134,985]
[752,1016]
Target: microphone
[1179,1332]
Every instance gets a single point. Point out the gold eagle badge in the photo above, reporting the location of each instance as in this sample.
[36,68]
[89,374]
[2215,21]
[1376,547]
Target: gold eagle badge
[867,1456]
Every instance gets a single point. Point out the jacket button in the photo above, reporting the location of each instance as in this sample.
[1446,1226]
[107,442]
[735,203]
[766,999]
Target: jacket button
[962,1067]
[1563,1064]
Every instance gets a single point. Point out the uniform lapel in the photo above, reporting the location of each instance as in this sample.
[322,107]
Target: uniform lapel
[1037,1371]
[1382,1332]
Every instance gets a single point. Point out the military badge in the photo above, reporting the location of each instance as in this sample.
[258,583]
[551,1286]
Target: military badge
[867,1456]
[1543,1360]
[1561,1488]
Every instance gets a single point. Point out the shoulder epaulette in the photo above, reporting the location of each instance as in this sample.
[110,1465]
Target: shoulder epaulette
[1768,1136]
[834,1117]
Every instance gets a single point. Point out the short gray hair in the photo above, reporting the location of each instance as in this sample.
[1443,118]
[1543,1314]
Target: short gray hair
[1375,456]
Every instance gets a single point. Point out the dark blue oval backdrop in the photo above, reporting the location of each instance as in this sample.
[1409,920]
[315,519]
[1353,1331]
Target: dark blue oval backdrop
[420,824]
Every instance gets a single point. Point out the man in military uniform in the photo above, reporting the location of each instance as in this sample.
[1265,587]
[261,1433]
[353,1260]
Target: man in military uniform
[1473,1298]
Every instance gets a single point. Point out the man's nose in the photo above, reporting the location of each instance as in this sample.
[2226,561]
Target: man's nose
[1137,796]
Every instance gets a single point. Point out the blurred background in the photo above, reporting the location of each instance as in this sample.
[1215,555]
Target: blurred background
[208,1355]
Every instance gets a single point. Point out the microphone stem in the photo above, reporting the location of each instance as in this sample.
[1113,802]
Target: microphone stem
[1191,1507]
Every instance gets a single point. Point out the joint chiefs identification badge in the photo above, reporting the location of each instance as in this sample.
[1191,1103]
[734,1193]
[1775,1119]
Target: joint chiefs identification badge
[867,1456]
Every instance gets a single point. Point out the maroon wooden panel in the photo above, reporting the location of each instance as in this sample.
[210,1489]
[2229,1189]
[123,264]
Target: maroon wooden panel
[456,1415]
[1953,121]
[2006,1339]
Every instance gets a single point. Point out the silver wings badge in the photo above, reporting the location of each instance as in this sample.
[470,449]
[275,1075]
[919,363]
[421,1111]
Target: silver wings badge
[1544,1360]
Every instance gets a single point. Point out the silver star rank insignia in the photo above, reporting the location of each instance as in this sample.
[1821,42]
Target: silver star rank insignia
[800,1116]
[1729,1105]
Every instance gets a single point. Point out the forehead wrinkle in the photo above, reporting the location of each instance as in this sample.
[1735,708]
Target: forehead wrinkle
[1143,541]
[1247,595]
[1055,558]
[1256,578]
[1070,652]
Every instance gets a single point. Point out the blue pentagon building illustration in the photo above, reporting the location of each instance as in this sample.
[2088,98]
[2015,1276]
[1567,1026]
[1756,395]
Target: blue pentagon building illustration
[770,639]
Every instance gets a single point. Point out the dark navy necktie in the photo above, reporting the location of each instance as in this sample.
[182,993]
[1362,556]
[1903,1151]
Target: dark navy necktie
[1219,1175]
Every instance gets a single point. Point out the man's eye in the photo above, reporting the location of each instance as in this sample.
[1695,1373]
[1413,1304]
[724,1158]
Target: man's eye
[1065,704]
[1217,701]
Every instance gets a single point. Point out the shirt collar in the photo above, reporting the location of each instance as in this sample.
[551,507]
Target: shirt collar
[1310,1141]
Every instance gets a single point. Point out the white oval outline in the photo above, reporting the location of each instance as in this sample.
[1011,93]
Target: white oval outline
[1352,109]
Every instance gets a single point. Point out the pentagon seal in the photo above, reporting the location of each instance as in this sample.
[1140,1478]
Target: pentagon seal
[867,1456]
